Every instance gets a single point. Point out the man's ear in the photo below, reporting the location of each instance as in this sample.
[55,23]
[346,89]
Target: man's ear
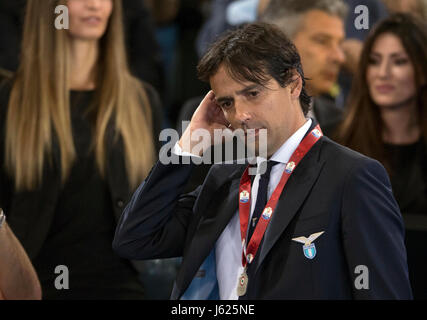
[296,85]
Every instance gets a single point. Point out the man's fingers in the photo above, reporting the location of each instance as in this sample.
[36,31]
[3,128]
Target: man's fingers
[209,98]
[209,114]
[205,106]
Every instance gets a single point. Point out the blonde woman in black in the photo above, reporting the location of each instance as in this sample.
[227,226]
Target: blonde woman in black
[77,136]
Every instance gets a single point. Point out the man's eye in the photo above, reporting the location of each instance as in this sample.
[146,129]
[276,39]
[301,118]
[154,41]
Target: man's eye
[321,41]
[253,94]
[226,104]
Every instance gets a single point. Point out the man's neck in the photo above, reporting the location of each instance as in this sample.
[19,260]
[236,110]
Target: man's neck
[297,124]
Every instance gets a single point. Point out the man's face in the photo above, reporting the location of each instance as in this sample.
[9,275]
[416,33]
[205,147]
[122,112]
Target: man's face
[319,43]
[247,105]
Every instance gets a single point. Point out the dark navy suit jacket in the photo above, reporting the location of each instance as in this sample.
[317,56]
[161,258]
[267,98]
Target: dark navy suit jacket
[333,189]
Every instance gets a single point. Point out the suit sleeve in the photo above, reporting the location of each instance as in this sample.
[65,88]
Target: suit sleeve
[154,224]
[373,235]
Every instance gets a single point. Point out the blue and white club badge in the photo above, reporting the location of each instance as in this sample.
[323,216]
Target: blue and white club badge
[309,247]
[309,251]
[316,133]
[244,196]
[266,214]
[290,167]
[250,258]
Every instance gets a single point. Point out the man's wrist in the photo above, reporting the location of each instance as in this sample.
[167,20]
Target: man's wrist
[193,147]
[177,150]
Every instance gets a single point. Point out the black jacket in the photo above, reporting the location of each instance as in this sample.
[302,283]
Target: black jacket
[333,189]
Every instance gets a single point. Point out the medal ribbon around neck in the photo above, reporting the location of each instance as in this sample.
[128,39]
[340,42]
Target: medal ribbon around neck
[249,253]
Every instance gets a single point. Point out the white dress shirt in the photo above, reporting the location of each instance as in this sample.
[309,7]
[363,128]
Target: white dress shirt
[228,248]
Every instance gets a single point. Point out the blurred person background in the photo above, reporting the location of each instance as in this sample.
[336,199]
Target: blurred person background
[335,90]
[317,28]
[224,15]
[355,37]
[142,49]
[77,137]
[387,120]
[417,8]
[177,24]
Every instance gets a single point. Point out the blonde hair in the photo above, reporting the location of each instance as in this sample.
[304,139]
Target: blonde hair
[39,105]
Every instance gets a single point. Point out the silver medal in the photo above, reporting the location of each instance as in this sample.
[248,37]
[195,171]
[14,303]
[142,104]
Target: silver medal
[242,286]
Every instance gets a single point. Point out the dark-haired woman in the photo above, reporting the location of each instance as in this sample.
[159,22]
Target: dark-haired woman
[387,120]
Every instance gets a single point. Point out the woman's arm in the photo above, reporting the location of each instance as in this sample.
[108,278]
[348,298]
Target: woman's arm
[18,279]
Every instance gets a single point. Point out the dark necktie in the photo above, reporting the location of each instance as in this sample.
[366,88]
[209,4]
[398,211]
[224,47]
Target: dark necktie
[262,197]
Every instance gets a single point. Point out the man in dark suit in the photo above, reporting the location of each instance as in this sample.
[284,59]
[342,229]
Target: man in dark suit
[334,231]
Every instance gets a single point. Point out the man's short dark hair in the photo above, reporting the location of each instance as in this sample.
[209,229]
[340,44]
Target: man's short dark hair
[256,53]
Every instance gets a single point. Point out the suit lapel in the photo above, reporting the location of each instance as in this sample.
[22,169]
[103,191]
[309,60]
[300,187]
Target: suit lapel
[291,199]
[213,222]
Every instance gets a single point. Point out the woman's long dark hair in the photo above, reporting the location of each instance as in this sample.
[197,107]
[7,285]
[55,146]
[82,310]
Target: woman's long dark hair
[362,126]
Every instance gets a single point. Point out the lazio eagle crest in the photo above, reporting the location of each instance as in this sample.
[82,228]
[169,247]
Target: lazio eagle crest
[309,248]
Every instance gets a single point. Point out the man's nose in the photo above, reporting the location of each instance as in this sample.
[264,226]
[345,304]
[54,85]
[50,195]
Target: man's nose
[242,114]
[337,55]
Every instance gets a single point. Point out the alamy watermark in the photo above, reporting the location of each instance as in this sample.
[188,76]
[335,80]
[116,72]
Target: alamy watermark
[361,282]
[361,22]
[62,21]
[238,146]
[62,281]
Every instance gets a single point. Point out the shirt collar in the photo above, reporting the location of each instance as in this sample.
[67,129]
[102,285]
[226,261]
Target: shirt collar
[284,153]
